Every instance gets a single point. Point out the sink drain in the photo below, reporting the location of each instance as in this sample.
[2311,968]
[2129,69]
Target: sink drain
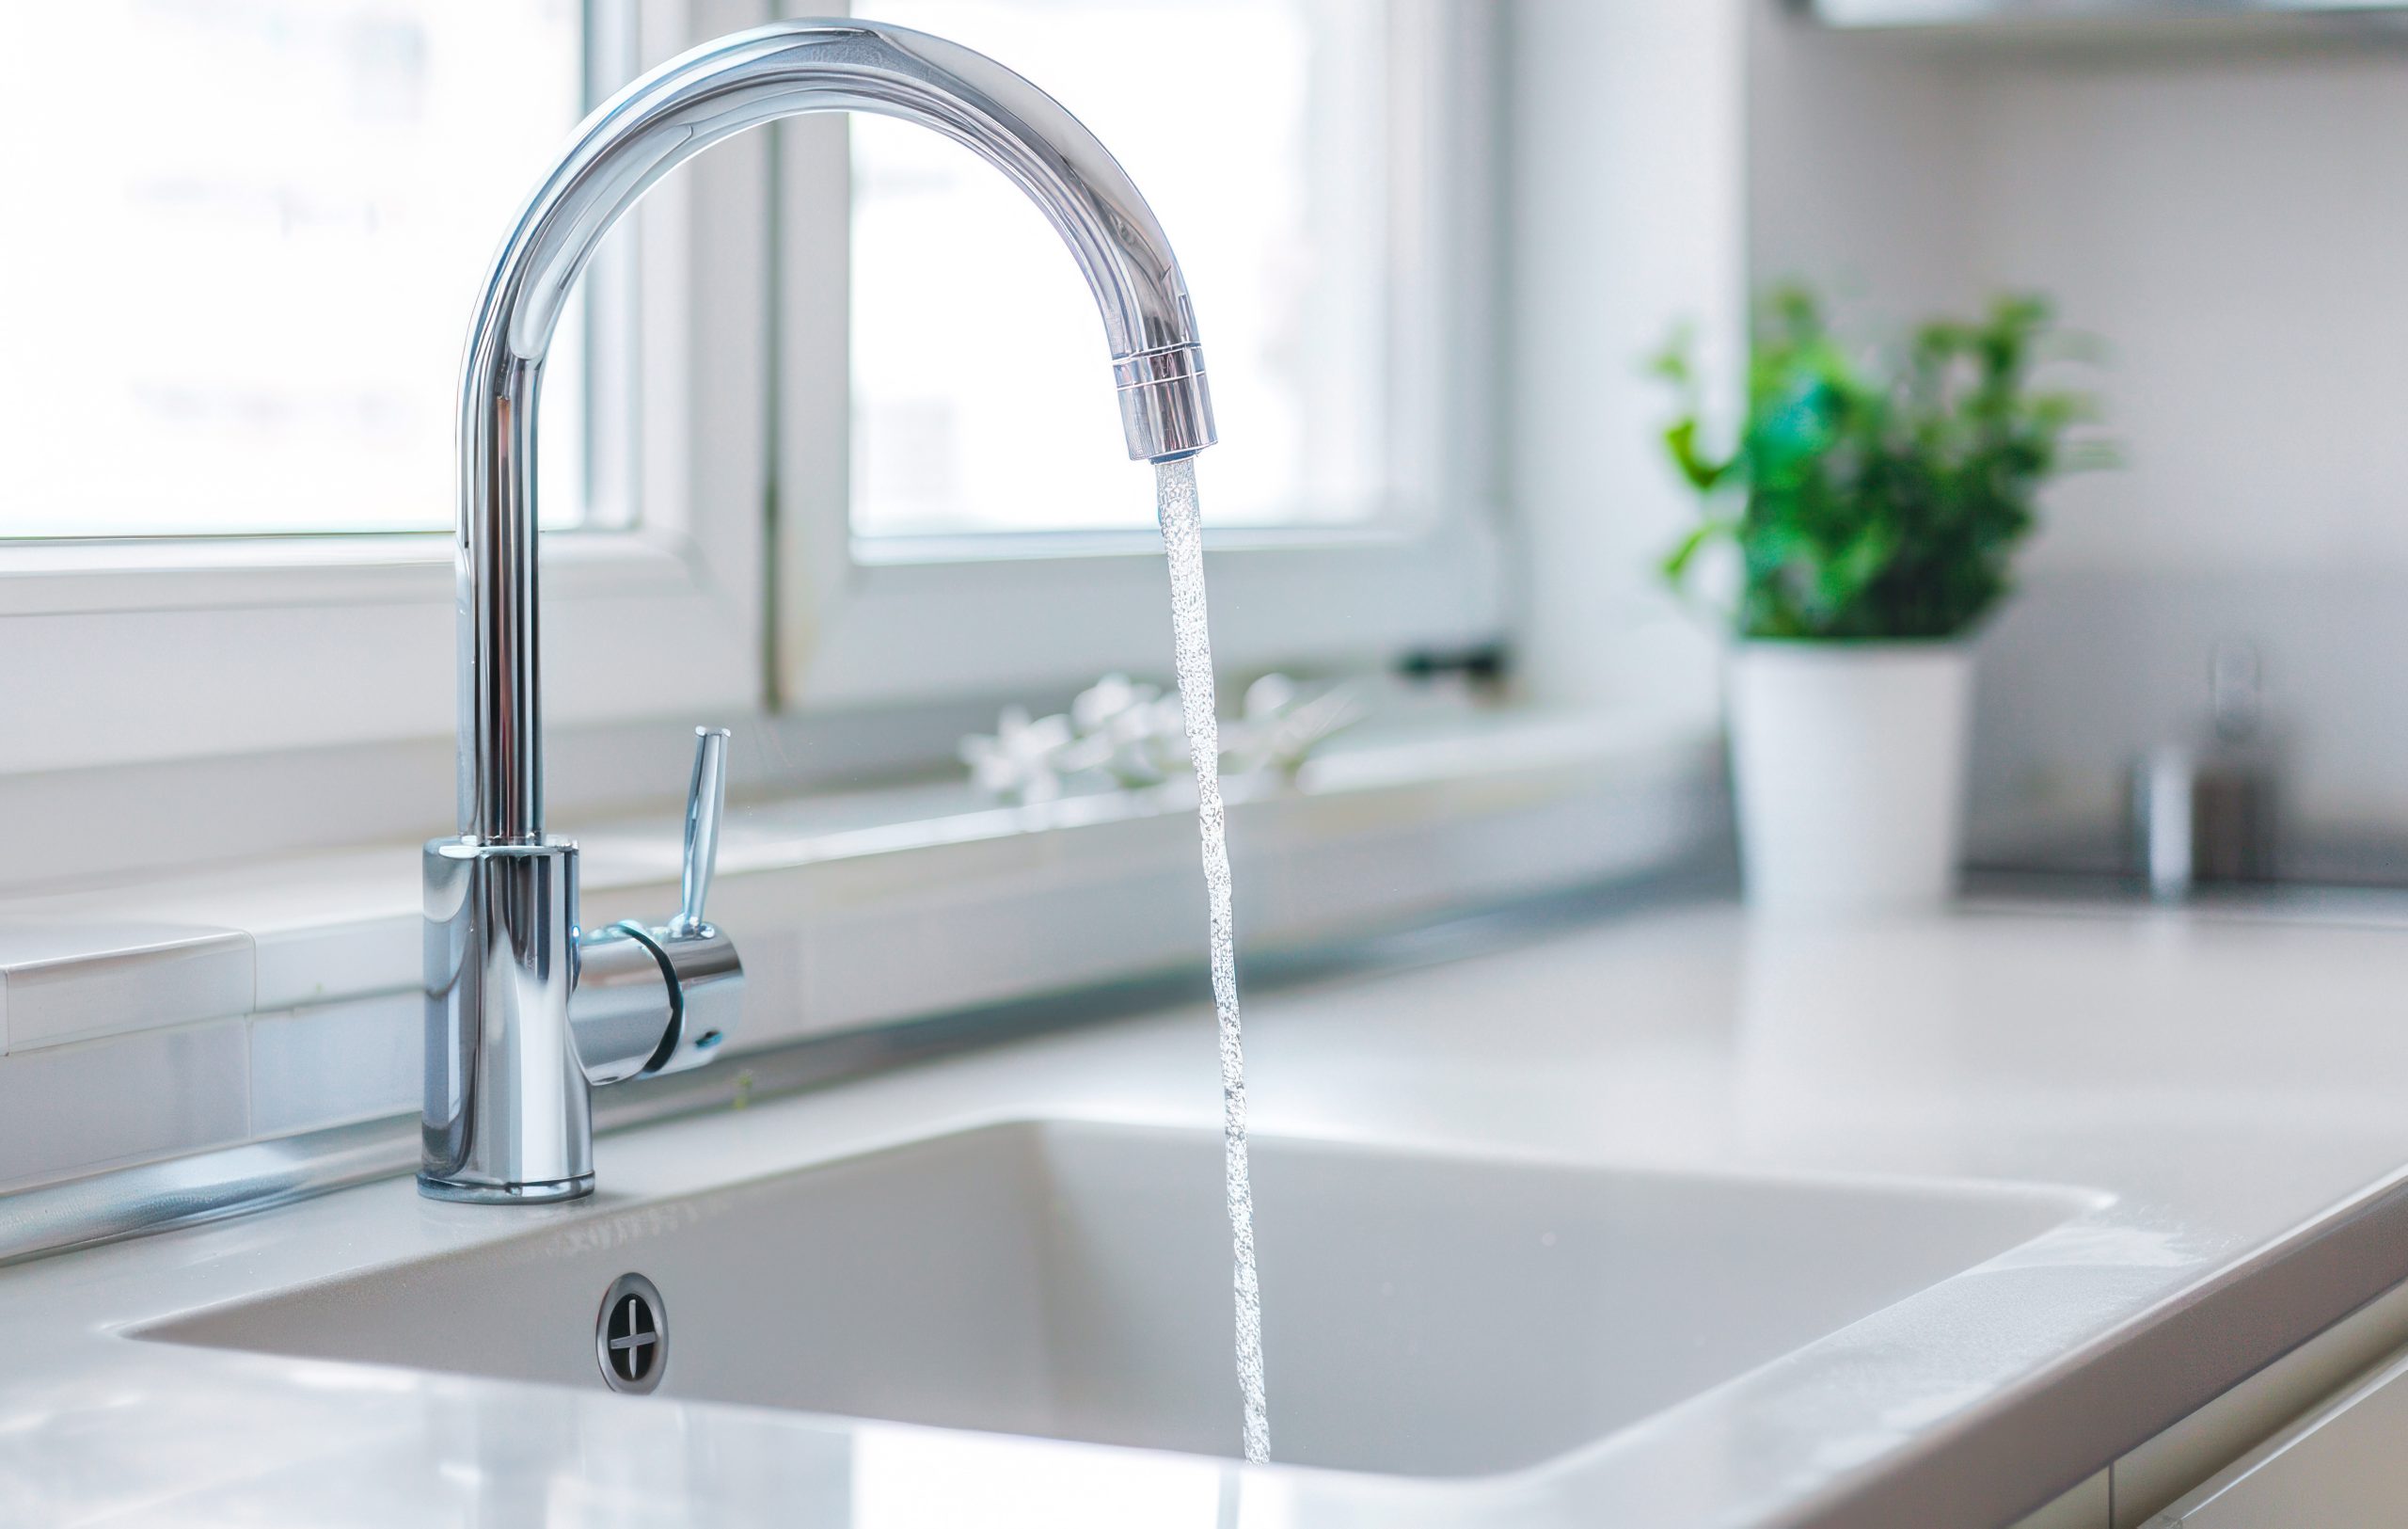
[631,1335]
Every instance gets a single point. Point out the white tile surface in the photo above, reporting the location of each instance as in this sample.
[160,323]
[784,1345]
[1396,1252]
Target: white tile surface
[850,911]
[66,1108]
[71,980]
[336,1062]
[315,964]
[316,928]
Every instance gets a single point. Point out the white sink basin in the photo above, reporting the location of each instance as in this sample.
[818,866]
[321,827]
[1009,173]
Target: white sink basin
[1424,1315]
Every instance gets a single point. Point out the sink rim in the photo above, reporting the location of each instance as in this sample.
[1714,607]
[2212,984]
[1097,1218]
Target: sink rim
[2073,1203]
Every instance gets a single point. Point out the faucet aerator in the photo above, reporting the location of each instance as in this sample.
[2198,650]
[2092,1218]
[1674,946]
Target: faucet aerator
[1165,405]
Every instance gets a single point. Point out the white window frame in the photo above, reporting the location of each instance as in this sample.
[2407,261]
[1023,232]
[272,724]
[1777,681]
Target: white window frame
[860,625]
[144,649]
[194,670]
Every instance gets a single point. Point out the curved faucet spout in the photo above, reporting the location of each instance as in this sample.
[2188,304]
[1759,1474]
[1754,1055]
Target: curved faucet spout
[642,134]
[528,1009]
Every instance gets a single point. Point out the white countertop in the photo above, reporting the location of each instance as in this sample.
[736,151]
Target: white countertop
[2238,1087]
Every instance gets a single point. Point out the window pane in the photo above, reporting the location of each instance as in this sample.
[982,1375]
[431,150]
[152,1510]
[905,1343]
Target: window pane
[237,281]
[1258,130]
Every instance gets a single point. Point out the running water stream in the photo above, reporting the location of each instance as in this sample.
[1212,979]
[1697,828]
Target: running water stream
[1182,523]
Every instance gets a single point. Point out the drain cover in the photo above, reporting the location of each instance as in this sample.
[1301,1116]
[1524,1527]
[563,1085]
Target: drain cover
[631,1335]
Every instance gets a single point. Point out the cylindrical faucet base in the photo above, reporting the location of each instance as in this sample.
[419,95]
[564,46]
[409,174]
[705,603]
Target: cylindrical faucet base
[507,1115]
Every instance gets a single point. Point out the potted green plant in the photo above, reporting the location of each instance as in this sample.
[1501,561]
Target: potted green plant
[1875,506]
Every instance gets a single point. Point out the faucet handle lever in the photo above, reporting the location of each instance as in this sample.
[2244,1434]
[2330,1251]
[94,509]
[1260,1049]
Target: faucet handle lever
[705,802]
[661,999]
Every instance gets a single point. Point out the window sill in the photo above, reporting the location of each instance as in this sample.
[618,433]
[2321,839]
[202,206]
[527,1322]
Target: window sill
[297,982]
[201,573]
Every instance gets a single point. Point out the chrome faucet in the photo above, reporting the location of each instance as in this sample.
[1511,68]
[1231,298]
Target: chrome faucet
[526,1012]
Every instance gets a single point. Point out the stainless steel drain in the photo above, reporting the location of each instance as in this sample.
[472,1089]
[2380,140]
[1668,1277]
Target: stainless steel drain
[631,1335]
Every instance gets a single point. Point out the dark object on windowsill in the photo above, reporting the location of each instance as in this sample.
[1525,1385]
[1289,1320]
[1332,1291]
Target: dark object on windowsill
[1482,667]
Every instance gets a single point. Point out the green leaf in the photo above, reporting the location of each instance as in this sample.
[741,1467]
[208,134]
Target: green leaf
[1675,566]
[1701,475]
[1884,498]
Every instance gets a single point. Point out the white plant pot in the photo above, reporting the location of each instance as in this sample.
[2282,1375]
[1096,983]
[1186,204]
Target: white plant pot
[1850,761]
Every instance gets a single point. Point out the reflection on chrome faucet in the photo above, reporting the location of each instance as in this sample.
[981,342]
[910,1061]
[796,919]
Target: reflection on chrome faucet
[524,1012]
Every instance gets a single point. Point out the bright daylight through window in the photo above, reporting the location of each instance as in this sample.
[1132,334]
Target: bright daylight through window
[1273,193]
[245,311]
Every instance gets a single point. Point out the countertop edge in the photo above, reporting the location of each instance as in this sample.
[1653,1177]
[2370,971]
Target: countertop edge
[2097,1404]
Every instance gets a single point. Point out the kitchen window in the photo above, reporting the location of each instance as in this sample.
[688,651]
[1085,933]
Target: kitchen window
[229,388]
[1322,167]
[231,305]
[1274,196]
[246,320]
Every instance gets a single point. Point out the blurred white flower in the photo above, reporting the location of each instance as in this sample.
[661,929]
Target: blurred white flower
[1017,762]
[1280,723]
[1136,735]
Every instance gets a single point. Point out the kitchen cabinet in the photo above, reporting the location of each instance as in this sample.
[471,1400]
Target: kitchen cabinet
[2319,1436]
[2346,1462]
[2088,1506]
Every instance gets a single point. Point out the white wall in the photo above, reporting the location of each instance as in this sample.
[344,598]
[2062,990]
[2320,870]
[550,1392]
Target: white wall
[1857,160]
[2226,209]
[1625,204]
[2233,222]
